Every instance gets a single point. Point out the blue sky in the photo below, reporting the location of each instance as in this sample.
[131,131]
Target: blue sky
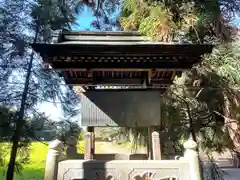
[83,23]
[84,20]
[236,21]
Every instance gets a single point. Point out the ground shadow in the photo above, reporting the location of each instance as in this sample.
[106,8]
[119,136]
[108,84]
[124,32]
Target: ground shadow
[95,170]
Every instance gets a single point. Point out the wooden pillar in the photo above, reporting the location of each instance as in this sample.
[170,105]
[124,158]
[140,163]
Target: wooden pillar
[87,146]
[91,131]
[149,144]
[156,147]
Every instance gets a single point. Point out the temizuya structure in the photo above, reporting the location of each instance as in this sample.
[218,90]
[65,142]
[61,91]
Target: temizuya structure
[134,71]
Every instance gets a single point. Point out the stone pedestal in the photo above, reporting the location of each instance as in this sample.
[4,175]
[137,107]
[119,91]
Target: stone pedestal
[193,158]
[156,146]
[53,157]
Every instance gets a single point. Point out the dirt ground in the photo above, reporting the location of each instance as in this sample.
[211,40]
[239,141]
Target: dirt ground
[108,147]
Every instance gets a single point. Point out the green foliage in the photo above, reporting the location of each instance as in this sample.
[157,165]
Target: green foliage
[197,101]
[195,21]
[34,170]
[67,129]
[7,118]
[51,15]
[225,61]
[23,157]
[25,22]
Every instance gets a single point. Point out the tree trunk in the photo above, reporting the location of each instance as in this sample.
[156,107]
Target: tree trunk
[191,125]
[20,118]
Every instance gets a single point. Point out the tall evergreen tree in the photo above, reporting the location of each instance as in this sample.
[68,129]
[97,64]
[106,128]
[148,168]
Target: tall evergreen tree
[25,81]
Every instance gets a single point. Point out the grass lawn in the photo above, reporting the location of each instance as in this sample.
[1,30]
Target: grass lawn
[34,170]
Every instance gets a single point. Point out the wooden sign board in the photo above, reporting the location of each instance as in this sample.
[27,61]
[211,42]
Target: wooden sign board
[121,108]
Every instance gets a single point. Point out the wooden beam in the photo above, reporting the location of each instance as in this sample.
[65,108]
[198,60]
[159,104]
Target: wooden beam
[149,147]
[94,38]
[191,50]
[91,130]
[120,65]
[121,69]
[114,81]
[160,90]
[102,33]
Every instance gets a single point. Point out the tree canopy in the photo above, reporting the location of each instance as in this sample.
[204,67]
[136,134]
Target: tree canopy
[168,20]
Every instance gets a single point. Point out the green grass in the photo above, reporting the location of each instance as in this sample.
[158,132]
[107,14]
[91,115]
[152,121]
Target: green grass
[34,170]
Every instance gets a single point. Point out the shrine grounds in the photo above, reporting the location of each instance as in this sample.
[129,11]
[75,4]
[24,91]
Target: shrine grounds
[34,170]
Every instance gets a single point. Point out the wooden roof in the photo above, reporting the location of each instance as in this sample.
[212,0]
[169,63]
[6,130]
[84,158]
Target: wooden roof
[118,58]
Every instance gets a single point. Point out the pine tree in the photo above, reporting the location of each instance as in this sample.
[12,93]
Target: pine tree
[25,81]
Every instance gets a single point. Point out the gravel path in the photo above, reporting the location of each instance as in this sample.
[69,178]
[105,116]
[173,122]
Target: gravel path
[108,147]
